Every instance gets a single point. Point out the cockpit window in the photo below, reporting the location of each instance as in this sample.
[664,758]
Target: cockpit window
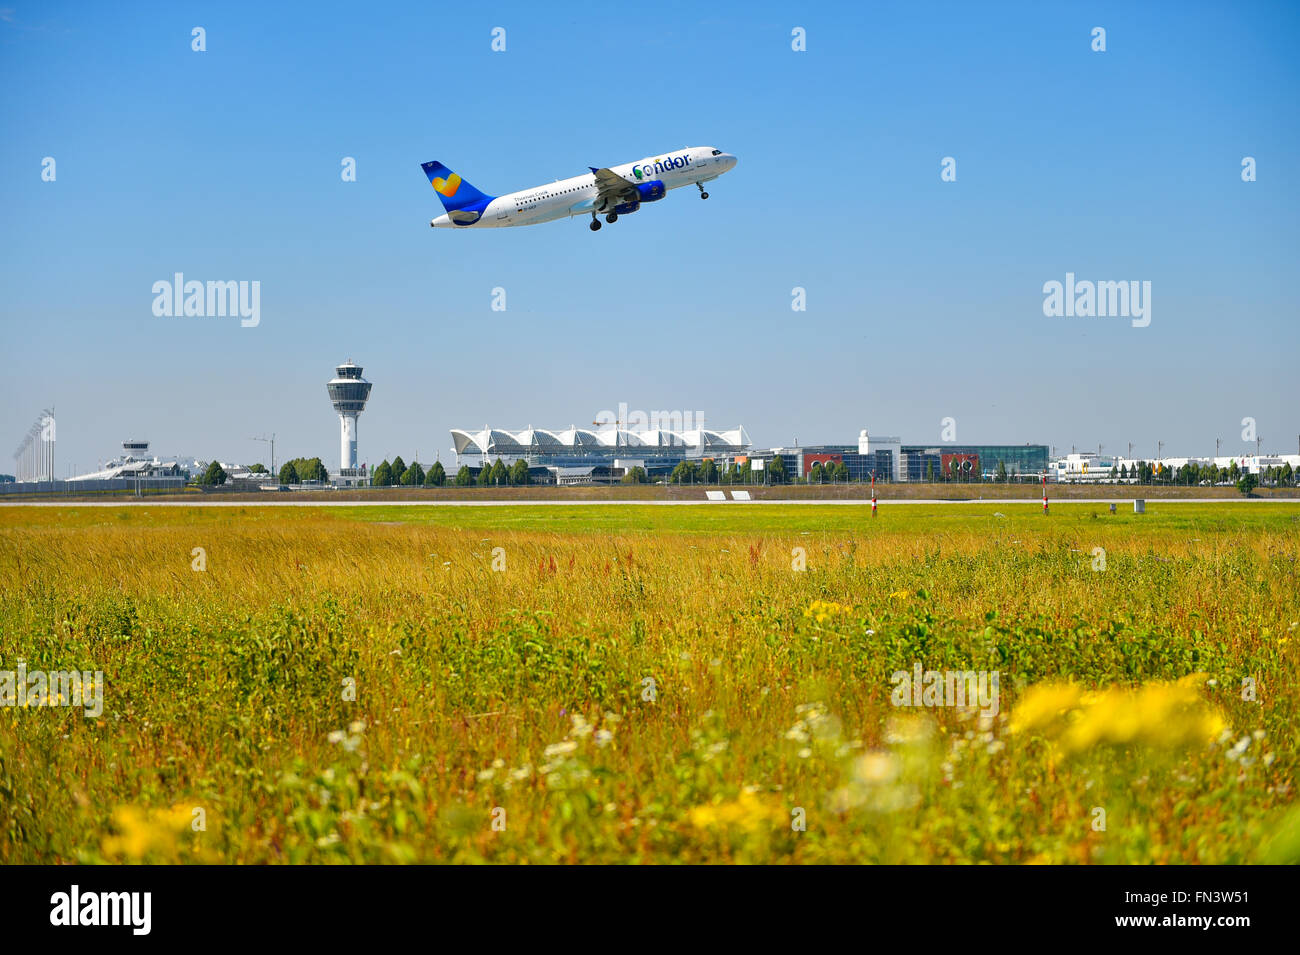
[717,152]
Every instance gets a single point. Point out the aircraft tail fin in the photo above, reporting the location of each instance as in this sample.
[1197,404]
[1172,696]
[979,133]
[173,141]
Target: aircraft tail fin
[456,193]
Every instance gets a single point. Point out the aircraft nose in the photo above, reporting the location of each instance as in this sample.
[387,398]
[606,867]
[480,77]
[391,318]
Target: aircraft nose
[730,161]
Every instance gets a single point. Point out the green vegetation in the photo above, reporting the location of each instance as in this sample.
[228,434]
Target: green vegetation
[361,685]
[214,475]
[776,470]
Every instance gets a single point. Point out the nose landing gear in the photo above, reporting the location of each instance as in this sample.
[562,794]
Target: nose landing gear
[703,194]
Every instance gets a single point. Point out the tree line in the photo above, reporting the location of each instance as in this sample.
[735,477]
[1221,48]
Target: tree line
[1192,474]
[708,472]
[399,473]
[301,470]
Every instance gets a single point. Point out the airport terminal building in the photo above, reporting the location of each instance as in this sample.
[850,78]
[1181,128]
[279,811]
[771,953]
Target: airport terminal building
[574,453]
[579,455]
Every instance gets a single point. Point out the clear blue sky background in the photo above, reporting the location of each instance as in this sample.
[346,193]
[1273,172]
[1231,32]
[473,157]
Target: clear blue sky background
[924,297]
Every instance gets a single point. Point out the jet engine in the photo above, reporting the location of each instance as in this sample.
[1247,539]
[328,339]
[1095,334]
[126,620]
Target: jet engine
[652,190]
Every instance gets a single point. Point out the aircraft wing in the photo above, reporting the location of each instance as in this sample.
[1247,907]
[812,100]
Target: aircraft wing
[611,186]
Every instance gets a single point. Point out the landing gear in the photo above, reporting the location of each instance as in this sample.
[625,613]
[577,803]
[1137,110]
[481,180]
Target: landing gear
[703,194]
[612,218]
[595,223]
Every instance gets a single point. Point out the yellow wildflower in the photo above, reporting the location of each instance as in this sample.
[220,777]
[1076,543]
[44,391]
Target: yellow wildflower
[148,832]
[821,611]
[746,811]
[1158,714]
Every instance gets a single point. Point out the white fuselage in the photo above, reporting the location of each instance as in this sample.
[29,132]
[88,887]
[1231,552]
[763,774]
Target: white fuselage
[581,196]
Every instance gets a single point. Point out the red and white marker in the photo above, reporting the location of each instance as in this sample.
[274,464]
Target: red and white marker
[873,493]
[1044,492]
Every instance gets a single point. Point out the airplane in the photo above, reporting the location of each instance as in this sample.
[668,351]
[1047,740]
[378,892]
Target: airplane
[614,191]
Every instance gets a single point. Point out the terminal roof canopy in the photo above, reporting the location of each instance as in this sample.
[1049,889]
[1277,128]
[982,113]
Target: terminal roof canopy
[540,441]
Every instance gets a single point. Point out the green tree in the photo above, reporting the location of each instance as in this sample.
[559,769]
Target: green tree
[686,472]
[288,475]
[436,476]
[929,471]
[414,475]
[1000,475]
[519,473]
[776,469]
[708,472]
[1287,476]
[257,469]
[464,477]
[309,469]
[214,475]
[635,475]
[816,474]
[382,476]
[1247,483]
[398,469]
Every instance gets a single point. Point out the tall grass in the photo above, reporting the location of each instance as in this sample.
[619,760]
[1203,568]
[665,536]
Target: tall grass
[520,697]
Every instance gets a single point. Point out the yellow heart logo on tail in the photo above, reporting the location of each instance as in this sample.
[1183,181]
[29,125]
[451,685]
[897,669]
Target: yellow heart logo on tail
[448,186]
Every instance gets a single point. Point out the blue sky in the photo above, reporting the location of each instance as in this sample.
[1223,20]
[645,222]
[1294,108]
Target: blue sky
[924,297]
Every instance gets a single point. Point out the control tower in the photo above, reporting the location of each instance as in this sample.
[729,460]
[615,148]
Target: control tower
[349,393]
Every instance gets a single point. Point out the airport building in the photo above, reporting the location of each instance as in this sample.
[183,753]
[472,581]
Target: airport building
[136,463]
[1089,468]
[134,470]
[974,462]
[578,455]
[891,460]
[348,393]
[879,456]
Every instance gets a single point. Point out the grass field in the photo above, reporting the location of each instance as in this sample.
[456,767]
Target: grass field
[653,684]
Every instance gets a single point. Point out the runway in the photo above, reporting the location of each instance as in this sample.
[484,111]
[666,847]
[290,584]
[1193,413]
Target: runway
[1034,502]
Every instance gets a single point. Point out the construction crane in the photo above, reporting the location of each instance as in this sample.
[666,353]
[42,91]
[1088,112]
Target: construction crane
[271,440]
